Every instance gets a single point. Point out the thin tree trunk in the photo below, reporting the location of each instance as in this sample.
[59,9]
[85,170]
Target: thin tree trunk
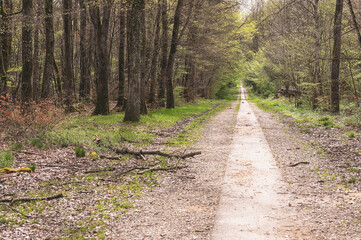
[68,56]
[335,69]
[354,21]
[132,110]
[5,47]
[171,59]
[84,87]
[121,60]
[27,52]
[155,55]
[163,66]
[317,90]
[49,48]
[36,59]
[143,64]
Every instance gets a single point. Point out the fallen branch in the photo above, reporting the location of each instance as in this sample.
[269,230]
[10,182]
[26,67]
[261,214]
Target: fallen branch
[12,201]
[298,163]
[163,154]
[12,209]
[161,169]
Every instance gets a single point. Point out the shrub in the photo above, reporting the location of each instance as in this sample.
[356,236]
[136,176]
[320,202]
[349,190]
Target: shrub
[79,152]
[33,119]
[351,134]
[16,146]
[6,159]
[37,143]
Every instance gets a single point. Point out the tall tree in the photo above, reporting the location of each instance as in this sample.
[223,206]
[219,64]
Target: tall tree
[68,56]
[27,52]
[164,56]
[121,58]
[317,75]
[5,47]
[171,58]
[101,27]
[155,55]
[144,61]
[335,69]
[49,48]
[132,110]
[84,87]
[354,21]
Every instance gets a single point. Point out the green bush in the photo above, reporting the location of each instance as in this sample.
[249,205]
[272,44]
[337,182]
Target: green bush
[351,134]
[6,159]
[16,146]
[79,152]
[37,143]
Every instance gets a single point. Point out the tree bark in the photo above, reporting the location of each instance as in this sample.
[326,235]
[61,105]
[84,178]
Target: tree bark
[5,38]
[36,59]
[143,64]
[49,48]
[84,86]
[155,55]
[101,27]
[132,110]
[335,69]
[163,65]
[68,56]
[121,58]
[171,59]
[354,21]
[317,74]
[27,52]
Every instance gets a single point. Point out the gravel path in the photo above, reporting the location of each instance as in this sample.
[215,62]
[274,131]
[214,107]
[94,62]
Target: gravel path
[253,201]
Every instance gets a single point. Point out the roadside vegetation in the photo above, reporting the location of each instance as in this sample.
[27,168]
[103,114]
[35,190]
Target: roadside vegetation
[76,162]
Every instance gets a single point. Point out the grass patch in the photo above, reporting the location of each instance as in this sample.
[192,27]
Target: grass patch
[37,143]
[79,152]
[81,131]
[6,159]
[351,134]
[16,147]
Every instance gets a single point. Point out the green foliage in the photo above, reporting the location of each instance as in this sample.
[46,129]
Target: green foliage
[79,152]
[32,167]
[37,143]
[351,134]
[6,159]
[16,146]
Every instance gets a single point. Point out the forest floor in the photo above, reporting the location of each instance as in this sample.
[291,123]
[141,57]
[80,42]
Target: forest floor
[319,174]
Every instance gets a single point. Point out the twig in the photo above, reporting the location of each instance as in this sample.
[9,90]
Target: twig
[101,170]
[298,163]
[161,169]
[163,154]
[12,201]
[12,209]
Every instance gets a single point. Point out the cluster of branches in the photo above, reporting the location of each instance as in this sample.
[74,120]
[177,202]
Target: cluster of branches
[310,48]
[133,51]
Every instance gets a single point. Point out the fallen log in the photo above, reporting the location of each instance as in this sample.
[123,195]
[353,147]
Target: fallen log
[12,201]
[155,152]
[298,163]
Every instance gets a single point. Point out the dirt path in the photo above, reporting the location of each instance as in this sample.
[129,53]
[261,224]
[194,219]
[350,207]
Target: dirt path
[252,204]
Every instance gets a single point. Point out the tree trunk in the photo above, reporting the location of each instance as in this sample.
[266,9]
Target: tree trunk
[317,74]
[163,65]
[84,86]
[101,27]
[36,59]
[5,37]
[173,49]
[132,110]
[49,48]
[154,61]
[68,56]
[121,58]
[335,69]
[27,52]
[354,21]
[143,64]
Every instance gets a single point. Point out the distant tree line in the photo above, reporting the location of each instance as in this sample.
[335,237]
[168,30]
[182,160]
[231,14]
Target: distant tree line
[309,48]
[135,52]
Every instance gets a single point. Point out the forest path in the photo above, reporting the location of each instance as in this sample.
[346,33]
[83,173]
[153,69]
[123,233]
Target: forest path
[253,203]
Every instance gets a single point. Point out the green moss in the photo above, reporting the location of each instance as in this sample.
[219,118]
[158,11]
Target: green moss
[6,159]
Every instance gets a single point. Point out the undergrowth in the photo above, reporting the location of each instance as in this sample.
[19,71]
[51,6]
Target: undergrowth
[81,131]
